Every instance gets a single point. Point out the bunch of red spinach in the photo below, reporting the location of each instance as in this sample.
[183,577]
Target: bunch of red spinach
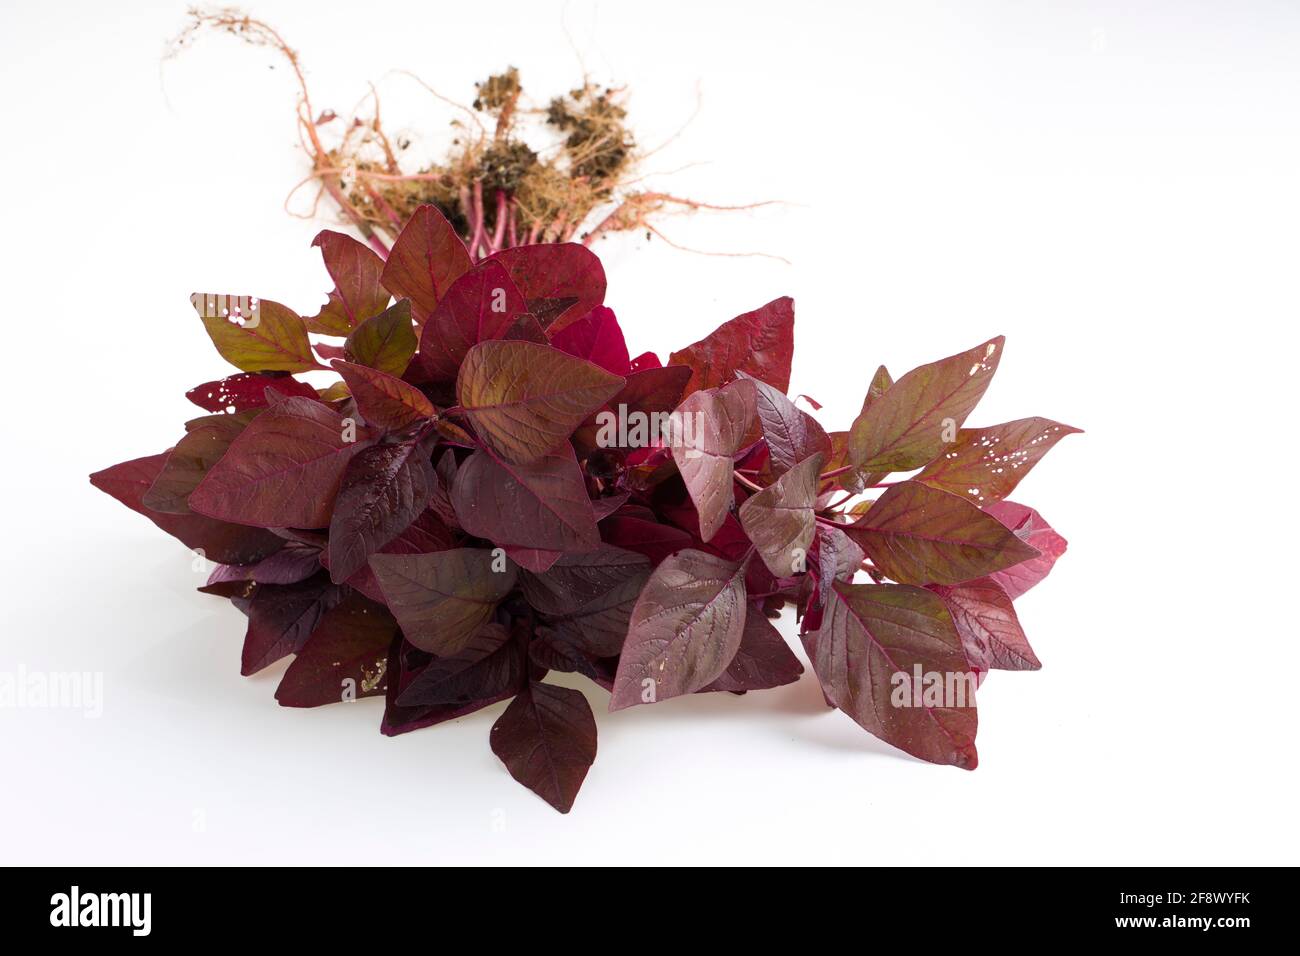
[494,489]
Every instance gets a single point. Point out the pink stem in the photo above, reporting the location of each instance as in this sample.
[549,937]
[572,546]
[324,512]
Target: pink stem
[477,238]
[499,234]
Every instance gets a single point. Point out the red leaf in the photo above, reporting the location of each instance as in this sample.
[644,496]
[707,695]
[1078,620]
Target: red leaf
[482,304]
[524,400]
[282,617]
[708,430]
[425,260]
[916,534]
[989,628]
[562,281]
[986,464]
[873,642]
[218,541]
[245,390]
[912,422]
[597,338]
[763,661]
[543,505]
[283,471]
[759,342]
[1029,526]
[384,400]
[357,294]
[442,599]
[384,489]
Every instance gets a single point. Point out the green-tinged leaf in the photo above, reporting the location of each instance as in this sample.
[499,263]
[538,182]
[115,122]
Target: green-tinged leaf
[990,630]
[384,400]
[524,399]
[916,534]
[358,294]
[792,434]
[986,464]
[441,599]
[760,343]
[909,425]
[283,470]
[707,430]
[425,260]
[272,339]
[856,480]
[344,659]
[385,341]
[384,489]
[543,505]
[880,651]
[685,629]
[780,520]
[547,740]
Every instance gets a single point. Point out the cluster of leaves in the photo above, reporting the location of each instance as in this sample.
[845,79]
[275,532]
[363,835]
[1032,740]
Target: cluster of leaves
[455,517]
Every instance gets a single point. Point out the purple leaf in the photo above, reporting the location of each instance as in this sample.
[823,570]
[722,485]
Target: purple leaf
[685,629]
[384,489]
[345,658]
[441,599]
[547,740]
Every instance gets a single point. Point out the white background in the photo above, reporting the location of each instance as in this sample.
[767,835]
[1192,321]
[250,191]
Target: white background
[1113,186]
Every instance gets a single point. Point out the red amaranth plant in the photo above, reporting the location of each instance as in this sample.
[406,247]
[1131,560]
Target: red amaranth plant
[495,489]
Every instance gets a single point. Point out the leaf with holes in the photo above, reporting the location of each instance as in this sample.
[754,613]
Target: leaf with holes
[911,422]
[272,339]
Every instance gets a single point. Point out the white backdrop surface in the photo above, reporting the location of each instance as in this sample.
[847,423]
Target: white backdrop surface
[1115,187]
